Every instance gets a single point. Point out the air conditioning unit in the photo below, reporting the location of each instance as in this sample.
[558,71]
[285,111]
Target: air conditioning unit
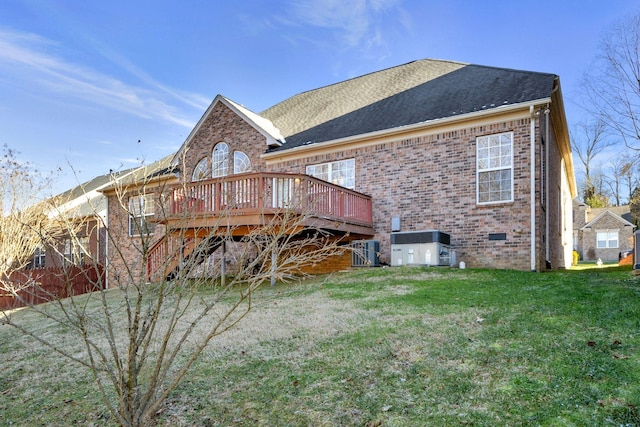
[364,253]
[429,247]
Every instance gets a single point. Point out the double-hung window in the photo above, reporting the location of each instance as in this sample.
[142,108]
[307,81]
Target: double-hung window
[607,239]
[494,168]
[39,257]
[76,251]
[140,213]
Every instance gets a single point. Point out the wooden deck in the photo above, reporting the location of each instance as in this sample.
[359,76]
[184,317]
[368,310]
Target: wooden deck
[245,200]
[239,204]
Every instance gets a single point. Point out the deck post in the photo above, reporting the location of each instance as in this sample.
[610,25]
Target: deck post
[273,267]
[223,266]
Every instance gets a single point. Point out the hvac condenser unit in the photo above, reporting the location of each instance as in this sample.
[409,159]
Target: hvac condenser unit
[429,247]
[364,253]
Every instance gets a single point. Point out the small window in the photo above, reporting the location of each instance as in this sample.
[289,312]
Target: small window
[39,258]
[140,212]
[201,171]
[220,166]
[494,168]
[341,173]
[76,251]
[241,162]
[81,250]
[607,239]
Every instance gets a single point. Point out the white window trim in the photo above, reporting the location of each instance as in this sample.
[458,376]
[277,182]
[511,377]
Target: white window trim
[330,169]
[134,214]
[220,160]
[201,170]
[39,257]
[241,162]
[608,239]
[489,169]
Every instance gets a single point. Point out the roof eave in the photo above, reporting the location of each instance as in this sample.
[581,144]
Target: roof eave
[272,140]
[607,212]
[407,128]
[562,135]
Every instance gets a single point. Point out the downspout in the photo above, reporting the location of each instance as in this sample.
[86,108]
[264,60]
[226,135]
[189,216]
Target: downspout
[546,185]
[532,174]
[106,246]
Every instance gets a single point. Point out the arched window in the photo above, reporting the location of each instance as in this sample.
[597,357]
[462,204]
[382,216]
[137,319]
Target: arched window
[201,171]
[241,162]
[220,165]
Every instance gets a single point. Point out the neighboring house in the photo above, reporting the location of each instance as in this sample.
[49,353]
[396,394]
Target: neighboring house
[478,153]
[602,233]
[73,260]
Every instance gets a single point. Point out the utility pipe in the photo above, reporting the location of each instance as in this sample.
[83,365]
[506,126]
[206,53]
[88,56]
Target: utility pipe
[533,188]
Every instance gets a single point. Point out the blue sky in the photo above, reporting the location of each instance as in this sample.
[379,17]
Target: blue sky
[91,86]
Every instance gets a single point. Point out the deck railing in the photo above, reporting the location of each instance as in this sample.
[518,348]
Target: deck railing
[269,192]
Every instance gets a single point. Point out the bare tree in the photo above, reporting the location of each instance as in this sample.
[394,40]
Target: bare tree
[629,174]
[141,337]
[621,178]
[22,220]
[588,140]
[613,83]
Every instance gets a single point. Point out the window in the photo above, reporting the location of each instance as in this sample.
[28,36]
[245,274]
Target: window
[342,172]
[67,254]
[201,171]
[607,239]
[220,166]
[39,258]
[494,157]
[76,251]
[81,250]
[241,162]
[140,211]
[283,192]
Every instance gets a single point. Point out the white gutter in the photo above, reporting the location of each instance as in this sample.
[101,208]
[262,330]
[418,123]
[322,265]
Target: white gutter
[533,189]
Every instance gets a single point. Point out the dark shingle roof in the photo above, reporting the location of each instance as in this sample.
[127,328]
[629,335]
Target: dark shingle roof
[412,93]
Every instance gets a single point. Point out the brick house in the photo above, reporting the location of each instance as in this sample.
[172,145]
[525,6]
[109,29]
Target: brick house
[72,259]
[602,233]
[480,154]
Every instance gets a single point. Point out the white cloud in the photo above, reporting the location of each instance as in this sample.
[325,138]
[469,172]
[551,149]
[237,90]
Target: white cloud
[355,21]
[38,63]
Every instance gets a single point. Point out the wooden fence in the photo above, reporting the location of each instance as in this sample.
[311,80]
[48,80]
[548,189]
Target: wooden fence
[41,285]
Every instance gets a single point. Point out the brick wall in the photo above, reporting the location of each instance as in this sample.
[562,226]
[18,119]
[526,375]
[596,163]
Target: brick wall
[126,265]
[429,182]
[579,221]
[607,222]
[223,125]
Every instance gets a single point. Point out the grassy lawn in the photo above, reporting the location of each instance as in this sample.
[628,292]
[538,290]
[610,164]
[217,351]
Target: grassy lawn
[387,347]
